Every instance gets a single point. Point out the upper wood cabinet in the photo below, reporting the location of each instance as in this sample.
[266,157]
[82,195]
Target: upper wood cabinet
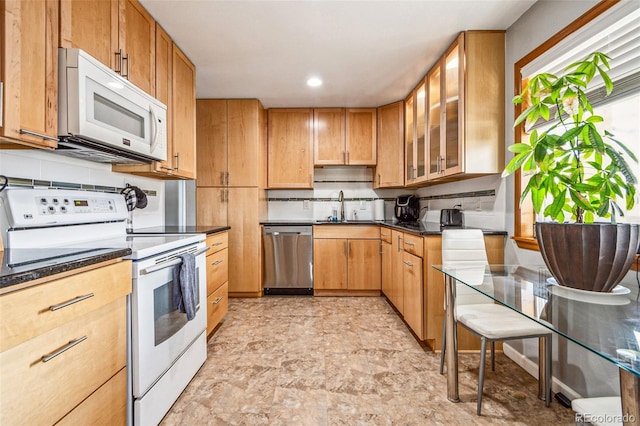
[329,126]
[28,74]
[466,138]
[389,172]
[361,136]
[119,33]
[290,148]
[230,141]
[183,115]
[416,146]
[344,136]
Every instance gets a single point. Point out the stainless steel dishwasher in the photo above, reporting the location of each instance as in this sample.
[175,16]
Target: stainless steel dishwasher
[288,259]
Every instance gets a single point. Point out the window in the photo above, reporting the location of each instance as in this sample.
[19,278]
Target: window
[616,32]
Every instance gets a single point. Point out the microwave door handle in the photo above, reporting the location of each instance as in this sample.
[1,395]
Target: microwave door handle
[154,118]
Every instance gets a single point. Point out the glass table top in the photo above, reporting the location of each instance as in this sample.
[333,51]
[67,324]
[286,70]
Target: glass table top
[607,324]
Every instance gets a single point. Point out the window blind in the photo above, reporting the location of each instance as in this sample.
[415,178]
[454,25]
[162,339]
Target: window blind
[615,33]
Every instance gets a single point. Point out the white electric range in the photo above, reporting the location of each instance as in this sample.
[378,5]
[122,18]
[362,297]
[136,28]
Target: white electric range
[164,349]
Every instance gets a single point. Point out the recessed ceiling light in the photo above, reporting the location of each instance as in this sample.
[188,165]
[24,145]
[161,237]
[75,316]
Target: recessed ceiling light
[314,82]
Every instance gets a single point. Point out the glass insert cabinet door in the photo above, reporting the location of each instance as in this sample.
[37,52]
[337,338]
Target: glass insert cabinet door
[434,111]
[421,152]
[453,108]
[409,133]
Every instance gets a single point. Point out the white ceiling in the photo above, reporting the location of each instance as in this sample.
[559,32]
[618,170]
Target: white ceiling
[368,53]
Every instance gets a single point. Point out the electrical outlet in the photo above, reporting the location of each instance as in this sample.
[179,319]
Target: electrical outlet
[363,205]
[305,205]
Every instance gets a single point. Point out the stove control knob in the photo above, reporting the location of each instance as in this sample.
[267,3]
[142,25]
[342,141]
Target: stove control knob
[54,201]
[66,201]
[51,209]
[63,209]
[43,201]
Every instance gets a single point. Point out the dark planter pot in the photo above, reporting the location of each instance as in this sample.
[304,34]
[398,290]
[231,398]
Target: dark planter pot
[593,257]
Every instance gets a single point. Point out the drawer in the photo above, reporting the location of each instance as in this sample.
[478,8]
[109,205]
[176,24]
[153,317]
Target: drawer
[347,231]
[413,244]
[217,306]
[27,313]
[106,406]
[217,270]
[38,392]
[385,234]
[217,242]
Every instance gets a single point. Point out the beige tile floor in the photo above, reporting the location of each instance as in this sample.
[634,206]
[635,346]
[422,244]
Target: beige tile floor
[343,361]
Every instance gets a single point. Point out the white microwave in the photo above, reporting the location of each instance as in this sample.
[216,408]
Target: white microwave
[105,118]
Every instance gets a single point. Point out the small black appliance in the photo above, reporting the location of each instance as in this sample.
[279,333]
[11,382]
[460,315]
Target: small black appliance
[450,217]
[407,208]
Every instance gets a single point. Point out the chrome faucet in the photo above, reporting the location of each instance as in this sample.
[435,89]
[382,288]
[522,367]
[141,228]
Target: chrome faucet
[341,199]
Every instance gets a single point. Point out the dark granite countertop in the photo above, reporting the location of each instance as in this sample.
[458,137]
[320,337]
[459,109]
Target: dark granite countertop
[433,228]
[20,265]
[201,229]
[418,228]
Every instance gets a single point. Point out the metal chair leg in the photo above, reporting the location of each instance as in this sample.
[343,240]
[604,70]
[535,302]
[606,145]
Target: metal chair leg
[547,371]
[493,356]
[483,356]
[442,347]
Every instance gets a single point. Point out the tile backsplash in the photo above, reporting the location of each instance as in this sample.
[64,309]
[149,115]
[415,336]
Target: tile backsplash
[482,199]
[46,166]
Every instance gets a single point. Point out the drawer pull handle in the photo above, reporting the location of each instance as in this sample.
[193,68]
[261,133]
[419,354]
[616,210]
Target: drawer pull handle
[72,343]
[409,243]
[70,302]
[217,262]
[219,243]
[408,263]
[218,300]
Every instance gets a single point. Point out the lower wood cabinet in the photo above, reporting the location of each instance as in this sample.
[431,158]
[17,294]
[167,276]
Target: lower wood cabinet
[67,363]
[217,279]
[413,294]
[416,290]
[346,260]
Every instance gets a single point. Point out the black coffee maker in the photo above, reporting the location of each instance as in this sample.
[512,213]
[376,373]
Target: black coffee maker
[407,208]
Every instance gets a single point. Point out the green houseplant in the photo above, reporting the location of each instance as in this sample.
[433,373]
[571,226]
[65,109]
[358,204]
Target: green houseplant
[577,172]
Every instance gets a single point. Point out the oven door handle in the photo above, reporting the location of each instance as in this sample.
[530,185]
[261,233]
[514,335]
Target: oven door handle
[169,263]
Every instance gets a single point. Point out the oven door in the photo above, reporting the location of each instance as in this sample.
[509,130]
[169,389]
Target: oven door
[159,333]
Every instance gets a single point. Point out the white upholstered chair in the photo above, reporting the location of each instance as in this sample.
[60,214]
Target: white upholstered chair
[490,321]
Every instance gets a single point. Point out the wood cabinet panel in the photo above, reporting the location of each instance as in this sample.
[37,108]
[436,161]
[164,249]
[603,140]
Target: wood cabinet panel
[91,26]
[386,267]
[290,148]
[216,242]
[244,139]
[361,139]
[329,136]
[397,270]
[413,297]
[217,270]
[389,172]
[211,206]
[29,73]
[183,115]
[245,242]
[330,264]
[137,38]
[67,379]
[163,91]
[363,264]
[385,234]
[106,406]
[347,231]
[413,244]
[35,310]
[217,306]
[211,147]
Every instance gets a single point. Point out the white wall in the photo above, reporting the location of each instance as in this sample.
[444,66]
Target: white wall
[584,373]
[40,164]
